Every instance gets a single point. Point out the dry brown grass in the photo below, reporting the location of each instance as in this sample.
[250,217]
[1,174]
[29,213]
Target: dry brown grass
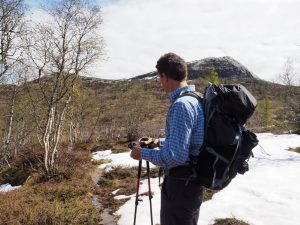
[119,178]
[113,144]
[229,221]
[62,199]
[49,203]
[297,149]
[207,194]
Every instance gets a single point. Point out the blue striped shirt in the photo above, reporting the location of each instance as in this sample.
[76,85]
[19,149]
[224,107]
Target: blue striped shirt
[183,133]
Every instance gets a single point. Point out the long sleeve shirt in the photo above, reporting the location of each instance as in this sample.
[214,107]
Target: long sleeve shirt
[183,133]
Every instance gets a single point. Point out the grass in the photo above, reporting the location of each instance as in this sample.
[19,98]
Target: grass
[62,199]
[101,161]
[207,194]
[116,146]
[229,221]
[123,178]
[50,203]
[297,149]
[66,197]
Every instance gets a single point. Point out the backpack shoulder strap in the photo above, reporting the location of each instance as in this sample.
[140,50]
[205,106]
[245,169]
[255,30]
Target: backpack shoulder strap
[194,94]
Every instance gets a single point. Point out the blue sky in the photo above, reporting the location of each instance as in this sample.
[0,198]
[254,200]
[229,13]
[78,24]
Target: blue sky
[32,3]
[261,34]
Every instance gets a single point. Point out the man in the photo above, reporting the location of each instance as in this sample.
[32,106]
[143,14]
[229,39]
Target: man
[181,197]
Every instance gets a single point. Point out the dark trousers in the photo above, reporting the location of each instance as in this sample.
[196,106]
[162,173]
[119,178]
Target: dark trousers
[180,203]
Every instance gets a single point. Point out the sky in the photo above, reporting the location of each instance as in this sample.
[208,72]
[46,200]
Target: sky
[269,193]
[260,34]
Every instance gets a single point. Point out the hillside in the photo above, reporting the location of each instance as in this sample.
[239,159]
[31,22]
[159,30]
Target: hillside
[109,109]
[143,103]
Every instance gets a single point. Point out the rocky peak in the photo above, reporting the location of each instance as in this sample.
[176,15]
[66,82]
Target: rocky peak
[225,67]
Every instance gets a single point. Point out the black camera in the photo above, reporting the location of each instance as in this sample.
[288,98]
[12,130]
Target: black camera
[141,142]
[131,145]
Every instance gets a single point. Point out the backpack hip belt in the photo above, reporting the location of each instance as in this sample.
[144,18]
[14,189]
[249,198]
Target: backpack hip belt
[183,172]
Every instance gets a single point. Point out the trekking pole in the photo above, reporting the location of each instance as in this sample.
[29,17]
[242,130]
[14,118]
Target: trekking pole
[149,192]
[137,190]
[160,171]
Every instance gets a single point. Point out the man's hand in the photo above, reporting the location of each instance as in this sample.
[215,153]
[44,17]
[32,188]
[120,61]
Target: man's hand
[147,142]
[136,152]
[155,143]
[150,142]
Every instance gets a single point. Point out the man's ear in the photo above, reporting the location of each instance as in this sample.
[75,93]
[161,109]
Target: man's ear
[165,76]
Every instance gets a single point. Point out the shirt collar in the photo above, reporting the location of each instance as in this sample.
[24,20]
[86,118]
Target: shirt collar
[174,94]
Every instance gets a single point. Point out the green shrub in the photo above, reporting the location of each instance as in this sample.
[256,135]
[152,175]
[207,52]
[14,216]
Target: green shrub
[14,175]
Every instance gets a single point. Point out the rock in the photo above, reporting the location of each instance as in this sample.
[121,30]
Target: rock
[226,67]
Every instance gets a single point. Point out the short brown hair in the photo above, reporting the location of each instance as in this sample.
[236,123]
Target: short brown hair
[173,66]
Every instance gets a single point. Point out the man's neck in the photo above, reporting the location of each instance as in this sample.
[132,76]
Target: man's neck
[175,85]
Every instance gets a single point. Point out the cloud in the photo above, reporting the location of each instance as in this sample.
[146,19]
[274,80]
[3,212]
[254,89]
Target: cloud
[260,34]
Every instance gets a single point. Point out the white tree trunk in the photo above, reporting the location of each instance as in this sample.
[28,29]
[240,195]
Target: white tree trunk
[7,142]
[57,133]
[47,138]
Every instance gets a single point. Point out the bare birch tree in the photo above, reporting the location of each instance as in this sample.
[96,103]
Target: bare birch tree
[289,73]
[59,49]
[288,77]
[12,28]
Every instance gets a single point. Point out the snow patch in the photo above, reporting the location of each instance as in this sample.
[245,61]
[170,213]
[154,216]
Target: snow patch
[269,193]
[7,187]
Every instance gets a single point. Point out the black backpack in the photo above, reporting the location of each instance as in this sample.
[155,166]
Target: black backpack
[227,143]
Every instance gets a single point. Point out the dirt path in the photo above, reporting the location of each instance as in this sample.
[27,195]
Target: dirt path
[107,218]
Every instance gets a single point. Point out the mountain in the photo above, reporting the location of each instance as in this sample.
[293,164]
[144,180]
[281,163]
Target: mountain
[226,67]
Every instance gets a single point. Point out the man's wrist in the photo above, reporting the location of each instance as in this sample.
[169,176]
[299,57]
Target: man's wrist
[161,142]
[146,154]
[156,142]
